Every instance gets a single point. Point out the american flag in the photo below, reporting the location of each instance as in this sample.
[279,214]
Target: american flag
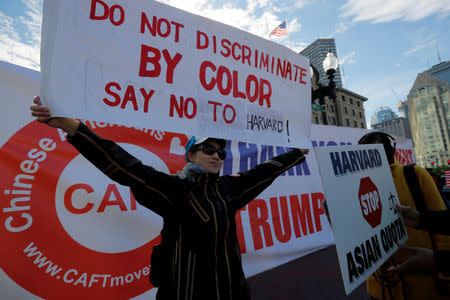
[280,30]
[447,177]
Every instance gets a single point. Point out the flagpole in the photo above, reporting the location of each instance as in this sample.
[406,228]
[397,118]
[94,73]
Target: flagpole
[289,38]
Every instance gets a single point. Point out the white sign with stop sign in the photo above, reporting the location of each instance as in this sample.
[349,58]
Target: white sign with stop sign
[361,198]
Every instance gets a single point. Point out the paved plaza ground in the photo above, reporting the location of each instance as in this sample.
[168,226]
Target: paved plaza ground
[312,277]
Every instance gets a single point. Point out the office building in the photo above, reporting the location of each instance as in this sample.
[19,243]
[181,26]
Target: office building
[429,116]
[403,109]
[441,71]
[346,111]
[316,53]
[382,115]
[398,126]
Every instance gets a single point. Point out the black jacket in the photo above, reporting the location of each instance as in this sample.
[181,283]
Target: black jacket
[438,222]
[199,256]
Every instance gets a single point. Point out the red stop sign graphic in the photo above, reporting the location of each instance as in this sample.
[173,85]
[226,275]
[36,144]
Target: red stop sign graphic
[369,199]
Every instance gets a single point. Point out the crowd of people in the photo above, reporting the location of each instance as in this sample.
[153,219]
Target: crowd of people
[199,255]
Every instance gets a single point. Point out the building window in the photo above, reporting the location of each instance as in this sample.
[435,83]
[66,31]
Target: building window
[343,98]
[347,121]
[356,126]
[332,108]
[351,101]
[345,109]
[360,114]
[353,112]
[357,103]
[362,125]
[334,121]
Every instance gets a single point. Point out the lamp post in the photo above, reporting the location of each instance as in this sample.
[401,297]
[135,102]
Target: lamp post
[330,65]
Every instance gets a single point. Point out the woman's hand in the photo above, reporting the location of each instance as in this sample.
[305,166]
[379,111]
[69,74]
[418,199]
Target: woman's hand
[421,260]
[411,217]
[43,115]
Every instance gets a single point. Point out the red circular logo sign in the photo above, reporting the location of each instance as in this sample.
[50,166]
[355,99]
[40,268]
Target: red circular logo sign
[65,229]
[369,199]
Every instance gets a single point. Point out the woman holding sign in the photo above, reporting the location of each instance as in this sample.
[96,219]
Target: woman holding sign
[199,256]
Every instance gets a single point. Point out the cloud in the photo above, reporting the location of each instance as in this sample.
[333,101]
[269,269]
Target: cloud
[420,43]
[419,47]
[20,38]
[381,11]
[257,17]
[298,46]
[301,3]
[342,27]
[347,59]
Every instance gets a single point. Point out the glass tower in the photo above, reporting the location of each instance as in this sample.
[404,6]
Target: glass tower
[441,71]
[317,52]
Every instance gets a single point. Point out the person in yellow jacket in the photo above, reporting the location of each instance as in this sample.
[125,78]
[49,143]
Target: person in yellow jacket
[404,285]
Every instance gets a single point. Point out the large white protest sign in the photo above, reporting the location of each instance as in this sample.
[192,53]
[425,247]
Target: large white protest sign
[361,198]
[150,65]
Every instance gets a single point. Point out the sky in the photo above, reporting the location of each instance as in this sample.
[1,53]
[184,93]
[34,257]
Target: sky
[381,44]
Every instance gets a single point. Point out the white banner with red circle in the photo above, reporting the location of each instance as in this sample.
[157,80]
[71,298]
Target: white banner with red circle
[361,199]
[71,233]
[143,63]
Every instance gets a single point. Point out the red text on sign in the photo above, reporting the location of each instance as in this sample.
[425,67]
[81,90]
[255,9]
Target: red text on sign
[404,156]
[304,212]
[237,51]
[128,97]
[227,81]
[112,197]
[228,112]
[152,56]
[253,57]
[160,26]
[184,107]
[115,13]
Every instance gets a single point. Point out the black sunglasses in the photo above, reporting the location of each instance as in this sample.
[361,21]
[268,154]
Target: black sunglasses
[210,150]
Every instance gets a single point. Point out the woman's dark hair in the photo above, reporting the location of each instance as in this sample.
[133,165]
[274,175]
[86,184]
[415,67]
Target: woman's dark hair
[380,137]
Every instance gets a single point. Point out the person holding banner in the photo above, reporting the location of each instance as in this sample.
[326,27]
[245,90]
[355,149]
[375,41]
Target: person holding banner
[199,255]
[406,285]
[435,221]
[422,259]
